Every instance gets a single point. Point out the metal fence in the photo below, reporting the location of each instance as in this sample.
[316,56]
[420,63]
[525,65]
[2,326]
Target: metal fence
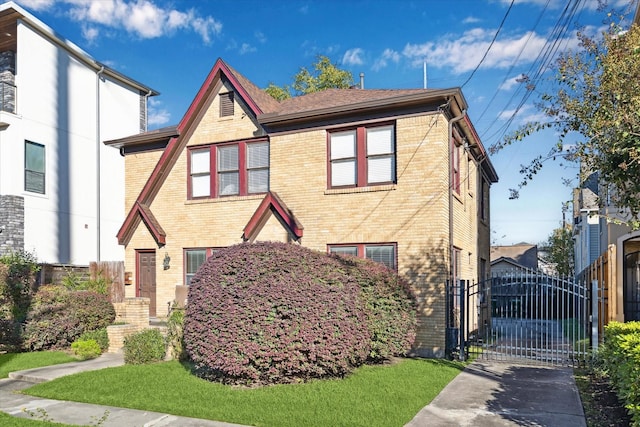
[525,315]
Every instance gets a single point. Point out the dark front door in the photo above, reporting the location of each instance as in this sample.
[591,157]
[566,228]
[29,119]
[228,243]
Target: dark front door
[147,278]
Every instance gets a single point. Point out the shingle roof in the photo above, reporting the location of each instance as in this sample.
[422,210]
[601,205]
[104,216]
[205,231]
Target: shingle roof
[329,98]
[264,101]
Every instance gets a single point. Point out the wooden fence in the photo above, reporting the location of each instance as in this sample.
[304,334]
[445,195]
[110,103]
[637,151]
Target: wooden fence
[113,273]
[603,270]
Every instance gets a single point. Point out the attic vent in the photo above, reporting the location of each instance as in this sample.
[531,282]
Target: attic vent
[226,104]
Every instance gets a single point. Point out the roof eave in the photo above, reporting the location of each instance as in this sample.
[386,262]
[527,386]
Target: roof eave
[159,135]
[394,102]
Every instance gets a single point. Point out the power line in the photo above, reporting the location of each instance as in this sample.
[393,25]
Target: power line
[491,44]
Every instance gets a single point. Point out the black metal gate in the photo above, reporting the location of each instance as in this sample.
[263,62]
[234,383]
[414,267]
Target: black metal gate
[524,315]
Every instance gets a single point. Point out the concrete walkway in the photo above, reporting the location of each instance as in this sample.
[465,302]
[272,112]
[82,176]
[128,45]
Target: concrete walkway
[485,394]
[492,394]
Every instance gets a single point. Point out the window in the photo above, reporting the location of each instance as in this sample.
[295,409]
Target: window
[362,156]
[226,104]
[484,199]
[258,167]
[229,170]
[200,176]
[34,167]
[455,166]
[382,253]
[193,259]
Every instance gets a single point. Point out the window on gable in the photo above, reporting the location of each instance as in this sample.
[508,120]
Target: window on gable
[234,169]
[226,104]
[363,156]
[384,253]
[34,167]
[200,173]
[228,170]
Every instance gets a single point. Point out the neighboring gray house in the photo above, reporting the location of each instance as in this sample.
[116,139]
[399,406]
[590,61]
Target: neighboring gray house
[519,257]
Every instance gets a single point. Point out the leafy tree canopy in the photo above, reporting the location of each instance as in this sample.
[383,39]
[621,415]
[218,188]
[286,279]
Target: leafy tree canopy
[323,75]
[557,251]
[593,106]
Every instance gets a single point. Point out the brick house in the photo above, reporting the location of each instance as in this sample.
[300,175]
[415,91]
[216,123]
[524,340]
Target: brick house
[399,176]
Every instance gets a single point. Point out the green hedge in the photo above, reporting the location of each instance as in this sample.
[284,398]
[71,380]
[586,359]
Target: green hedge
[146,346]
[621,357]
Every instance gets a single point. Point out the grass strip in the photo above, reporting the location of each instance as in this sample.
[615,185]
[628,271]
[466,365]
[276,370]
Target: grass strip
[11,362]
[387,395]
[7,420]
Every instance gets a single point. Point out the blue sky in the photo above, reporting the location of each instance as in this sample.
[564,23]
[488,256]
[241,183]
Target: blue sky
[479,45]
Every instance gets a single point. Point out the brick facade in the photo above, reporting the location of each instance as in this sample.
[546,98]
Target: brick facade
[11,224]
[413,213]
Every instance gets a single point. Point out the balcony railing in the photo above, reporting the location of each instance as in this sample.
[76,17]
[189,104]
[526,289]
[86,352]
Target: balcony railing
[7,97]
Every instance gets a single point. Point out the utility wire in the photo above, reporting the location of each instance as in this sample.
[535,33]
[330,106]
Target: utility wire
[515,61]
[491,44]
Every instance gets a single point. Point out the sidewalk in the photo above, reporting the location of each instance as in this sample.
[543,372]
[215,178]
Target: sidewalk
[492,394]
[83,413]
[485,394]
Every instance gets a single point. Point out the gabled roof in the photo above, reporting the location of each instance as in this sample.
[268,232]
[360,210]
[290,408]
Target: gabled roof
[509,261]
[139,212]
[523,254]
[178,137]
[272,204]
[271,114]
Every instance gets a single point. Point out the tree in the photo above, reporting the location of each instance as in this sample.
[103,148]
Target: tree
[594,98]
[558,251]
[324,75]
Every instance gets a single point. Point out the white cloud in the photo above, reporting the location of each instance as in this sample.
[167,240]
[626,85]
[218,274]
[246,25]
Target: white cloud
[312,49]
[36,4]
[526,114]
[470,20]
[383,60]
[90,33]
[510,83]
[143,18]
[246,48]
[156,115]
[353,57]
[260,37]
[463,53]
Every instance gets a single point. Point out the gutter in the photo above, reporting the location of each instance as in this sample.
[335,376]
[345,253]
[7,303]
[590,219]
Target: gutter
[146,111]
[375,104]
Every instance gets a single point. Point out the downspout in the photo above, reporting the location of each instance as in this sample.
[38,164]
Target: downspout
[146,111]
[98,175]
[450,142]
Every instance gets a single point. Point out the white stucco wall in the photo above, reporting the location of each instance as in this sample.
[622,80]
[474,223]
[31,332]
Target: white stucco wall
[57,107]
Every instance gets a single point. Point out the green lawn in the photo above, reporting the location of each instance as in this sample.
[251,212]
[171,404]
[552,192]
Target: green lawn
[7,420]
[11,362]
[388,395]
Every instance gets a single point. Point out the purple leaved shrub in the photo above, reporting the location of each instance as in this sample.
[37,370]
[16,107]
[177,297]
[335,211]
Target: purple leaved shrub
[57,317]
[268,313]
[390,306]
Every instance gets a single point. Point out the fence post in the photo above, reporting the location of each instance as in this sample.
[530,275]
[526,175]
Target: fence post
[594,314]
[463,295]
